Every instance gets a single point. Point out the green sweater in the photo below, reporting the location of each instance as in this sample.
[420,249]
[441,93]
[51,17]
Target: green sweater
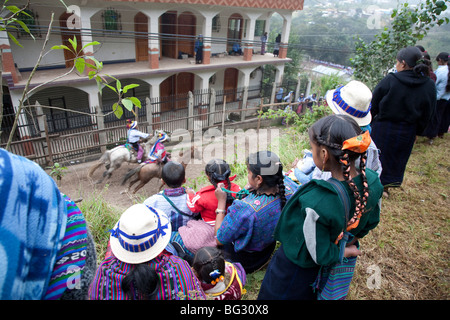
[314,217]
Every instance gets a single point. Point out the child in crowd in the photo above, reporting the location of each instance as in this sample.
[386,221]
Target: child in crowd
[204,201]
[353,100]
[245,229]
[313,220]
[133,137]
[173,199]
[140,267]
[200,233]
[158,151]
[220,279]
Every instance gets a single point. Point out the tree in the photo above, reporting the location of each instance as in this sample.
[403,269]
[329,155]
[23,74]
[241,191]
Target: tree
[373,60]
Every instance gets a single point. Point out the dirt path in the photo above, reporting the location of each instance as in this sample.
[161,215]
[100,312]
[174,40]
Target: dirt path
[76,184]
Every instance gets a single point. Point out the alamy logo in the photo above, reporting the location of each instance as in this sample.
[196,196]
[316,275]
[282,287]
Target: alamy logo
[74,20]
[374,280]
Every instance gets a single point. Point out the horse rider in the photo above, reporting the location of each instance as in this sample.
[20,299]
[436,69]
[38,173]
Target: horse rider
[133,137]
[158,151]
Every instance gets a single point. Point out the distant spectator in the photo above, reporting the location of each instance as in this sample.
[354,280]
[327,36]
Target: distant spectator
[276,48]
[263,43]
[402,105]
[236,50]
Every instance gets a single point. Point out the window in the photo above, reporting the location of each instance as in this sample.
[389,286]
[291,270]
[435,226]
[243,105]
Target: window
[260,26]
[216,24]
[111,20]
[30,19]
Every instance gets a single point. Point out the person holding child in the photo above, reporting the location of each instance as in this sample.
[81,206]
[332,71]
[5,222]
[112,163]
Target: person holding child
[245,229]
[313,221]
[173,199]
[140,267]
[220,279]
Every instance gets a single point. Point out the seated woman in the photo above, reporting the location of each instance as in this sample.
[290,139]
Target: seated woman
[246,229]
[140,266]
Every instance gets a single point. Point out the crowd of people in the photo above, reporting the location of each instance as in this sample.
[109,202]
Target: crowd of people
[201,244]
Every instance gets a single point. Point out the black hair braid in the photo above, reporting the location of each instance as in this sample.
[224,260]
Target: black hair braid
[141,282]
[365,191]
[206,260]
[360,197]
[281,187]
[218,170]
[344,160]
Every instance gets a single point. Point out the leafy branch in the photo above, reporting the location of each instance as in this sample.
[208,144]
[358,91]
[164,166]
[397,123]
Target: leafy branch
[373,60]
[81,62]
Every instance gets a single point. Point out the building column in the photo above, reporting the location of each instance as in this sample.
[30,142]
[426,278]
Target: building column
[7,57]
[279,74]
[86,36]
[250,36]
[285,36]
[156,112]
[246,84]
[153,41]
[207,34]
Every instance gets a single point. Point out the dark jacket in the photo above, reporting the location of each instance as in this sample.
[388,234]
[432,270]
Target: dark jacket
[404,97]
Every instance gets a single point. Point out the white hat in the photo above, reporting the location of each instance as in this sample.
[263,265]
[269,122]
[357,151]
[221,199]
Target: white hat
[140,235]
[353,99]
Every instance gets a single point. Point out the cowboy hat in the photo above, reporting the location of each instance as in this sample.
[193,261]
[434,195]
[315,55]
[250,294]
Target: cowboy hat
[353,99]
[140,235]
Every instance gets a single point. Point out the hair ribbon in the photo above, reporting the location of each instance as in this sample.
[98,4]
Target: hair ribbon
[358,144]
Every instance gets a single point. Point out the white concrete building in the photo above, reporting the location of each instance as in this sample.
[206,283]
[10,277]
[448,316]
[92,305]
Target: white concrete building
[141,42]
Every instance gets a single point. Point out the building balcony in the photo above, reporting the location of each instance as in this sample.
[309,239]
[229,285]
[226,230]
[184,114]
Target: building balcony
[167,66]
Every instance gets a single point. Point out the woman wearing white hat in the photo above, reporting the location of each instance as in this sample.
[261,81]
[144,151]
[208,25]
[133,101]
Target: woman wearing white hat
[140,268]
[354,100]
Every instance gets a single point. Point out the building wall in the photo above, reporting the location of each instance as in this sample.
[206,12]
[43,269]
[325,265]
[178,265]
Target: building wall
[267,4]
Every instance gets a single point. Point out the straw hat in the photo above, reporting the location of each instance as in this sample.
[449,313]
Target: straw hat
[353,99]
[140,235]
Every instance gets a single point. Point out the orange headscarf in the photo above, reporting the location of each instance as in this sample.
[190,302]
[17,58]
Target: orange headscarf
[358,144]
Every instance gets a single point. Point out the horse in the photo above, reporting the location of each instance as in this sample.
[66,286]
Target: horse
[114,158]
[147,171]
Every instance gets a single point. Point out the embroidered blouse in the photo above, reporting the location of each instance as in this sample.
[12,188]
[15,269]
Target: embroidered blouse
[250,222]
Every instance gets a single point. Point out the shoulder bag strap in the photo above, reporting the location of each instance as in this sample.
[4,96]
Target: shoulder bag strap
[343,195]
[174,206]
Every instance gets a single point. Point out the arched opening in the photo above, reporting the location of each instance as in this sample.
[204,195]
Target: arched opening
[177,33]
[186,32]
[61,100]
[174,90]
[235,27]
[141,36]
[230,82]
